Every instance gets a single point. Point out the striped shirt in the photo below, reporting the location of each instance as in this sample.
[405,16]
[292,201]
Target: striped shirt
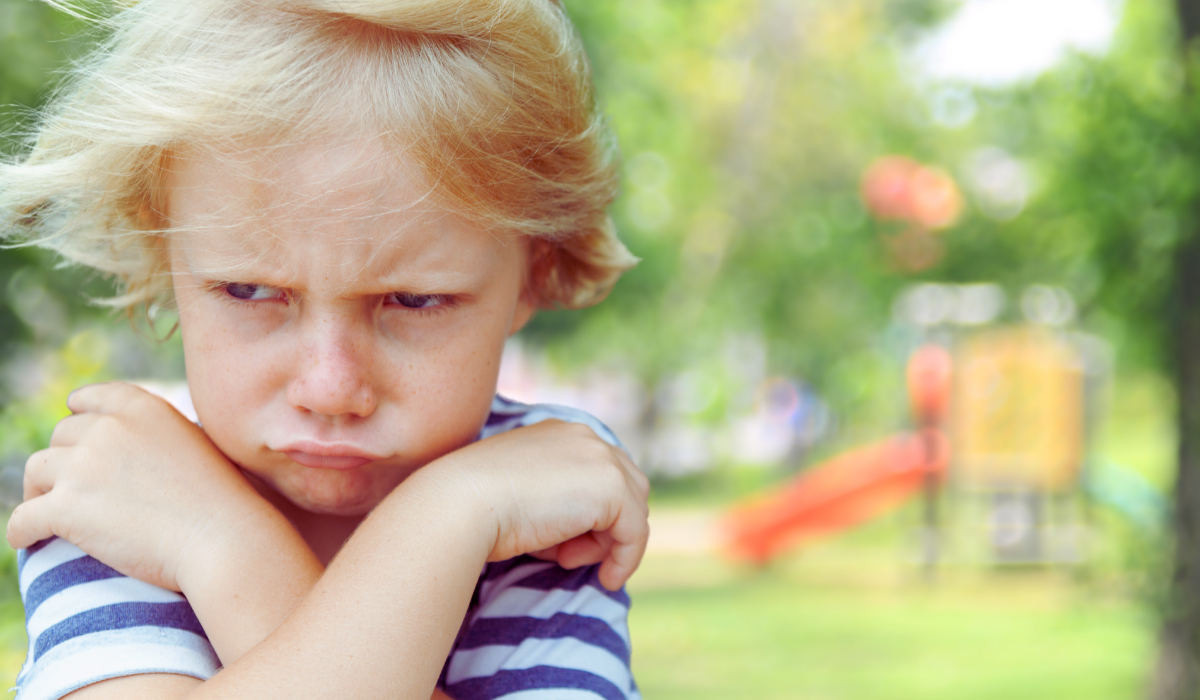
[533,631]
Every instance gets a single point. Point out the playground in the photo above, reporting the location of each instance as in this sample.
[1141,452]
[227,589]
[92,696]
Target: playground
[999,548]
[855,615]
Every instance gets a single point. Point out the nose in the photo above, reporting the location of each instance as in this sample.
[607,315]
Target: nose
[334,373]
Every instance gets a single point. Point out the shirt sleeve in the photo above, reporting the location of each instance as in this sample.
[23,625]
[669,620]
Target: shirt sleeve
[507,414]
[88,623]
[541,632]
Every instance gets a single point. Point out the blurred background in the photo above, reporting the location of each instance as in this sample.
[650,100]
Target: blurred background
[906,355]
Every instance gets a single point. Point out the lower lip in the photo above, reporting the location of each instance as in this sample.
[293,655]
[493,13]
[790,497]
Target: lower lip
[325,462]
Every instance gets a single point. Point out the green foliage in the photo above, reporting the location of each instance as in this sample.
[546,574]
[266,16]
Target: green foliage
[26,425]
[746,127]
[38,304]
[751,124]
[1113,140]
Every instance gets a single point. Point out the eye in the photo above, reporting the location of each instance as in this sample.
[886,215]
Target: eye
[418,301]
[253,292]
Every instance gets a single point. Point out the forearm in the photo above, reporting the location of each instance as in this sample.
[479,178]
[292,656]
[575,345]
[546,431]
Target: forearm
[381,620]
[251,583]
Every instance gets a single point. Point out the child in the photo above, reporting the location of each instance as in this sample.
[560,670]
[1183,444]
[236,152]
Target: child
[352,204]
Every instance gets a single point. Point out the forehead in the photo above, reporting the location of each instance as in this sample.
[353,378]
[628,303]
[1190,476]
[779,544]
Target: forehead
[326,212]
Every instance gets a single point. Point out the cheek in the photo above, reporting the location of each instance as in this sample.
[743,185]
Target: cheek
[227,378]
[446,389]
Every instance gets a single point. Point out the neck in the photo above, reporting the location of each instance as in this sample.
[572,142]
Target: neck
[324,534]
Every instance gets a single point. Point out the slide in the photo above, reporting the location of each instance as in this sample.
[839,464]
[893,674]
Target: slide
[835,495]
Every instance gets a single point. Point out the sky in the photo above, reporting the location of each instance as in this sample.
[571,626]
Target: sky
[1001,42]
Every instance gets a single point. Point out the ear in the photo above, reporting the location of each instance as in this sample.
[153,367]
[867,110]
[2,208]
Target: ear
[536,253]
[526,308]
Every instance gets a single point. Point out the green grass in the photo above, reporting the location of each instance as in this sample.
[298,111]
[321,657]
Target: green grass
[808,630]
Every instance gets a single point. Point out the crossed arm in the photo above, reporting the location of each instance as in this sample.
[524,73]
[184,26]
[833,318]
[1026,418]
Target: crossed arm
[381,619]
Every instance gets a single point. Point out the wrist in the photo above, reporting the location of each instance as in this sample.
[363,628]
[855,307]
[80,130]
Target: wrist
[244,577]
[455,493]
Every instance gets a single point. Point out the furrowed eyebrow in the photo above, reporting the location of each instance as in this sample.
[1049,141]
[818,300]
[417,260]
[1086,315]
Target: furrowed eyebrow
[445,282]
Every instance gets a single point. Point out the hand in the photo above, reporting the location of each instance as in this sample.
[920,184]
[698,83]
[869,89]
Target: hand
[134,484]
[559,492]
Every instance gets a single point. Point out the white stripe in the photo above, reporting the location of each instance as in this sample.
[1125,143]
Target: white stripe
[525,414]
[490,588]
[96,657]
[562,653]
[57,552]
[507,407]
[546,411]
[527,602]
[93,594]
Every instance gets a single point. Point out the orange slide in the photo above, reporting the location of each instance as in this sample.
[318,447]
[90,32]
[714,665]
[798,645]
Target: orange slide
[842,492]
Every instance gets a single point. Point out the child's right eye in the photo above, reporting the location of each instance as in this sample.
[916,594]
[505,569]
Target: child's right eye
[253,292]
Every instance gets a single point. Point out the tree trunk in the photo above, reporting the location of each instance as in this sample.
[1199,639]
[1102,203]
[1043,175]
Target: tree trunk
[1177,675]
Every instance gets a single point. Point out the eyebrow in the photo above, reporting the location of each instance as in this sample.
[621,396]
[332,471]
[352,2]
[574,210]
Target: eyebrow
[363,283]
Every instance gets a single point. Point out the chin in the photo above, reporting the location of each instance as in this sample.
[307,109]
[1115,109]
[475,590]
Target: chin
[336,493]
[345,510]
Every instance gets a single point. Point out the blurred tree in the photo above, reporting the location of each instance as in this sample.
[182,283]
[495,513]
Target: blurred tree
[37,304]
[745,127]
[1177,673]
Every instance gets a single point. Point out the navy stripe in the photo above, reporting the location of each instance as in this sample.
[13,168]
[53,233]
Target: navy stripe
[63,576]
[514,630]
[505,424]
[538,677]
[511,402]
[494,418]
[116,617]
[497,417]
[571,580]
[498,569]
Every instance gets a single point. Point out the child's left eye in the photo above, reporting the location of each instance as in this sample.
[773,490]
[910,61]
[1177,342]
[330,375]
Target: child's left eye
[252,292]
[417,301]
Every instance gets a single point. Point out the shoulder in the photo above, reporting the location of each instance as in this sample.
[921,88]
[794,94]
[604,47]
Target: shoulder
[86,622]
[537,629]
[507,414]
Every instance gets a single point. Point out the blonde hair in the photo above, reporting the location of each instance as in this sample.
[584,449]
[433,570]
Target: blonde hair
[491,98]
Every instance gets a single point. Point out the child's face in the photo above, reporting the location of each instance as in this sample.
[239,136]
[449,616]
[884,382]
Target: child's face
[340,329]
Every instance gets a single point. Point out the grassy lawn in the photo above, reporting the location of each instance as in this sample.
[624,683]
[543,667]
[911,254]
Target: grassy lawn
[814,631]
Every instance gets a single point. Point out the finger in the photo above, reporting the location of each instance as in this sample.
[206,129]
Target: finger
[640,480]
[30,523]
[547,554]
[584,550]
[71,429]
[630,535]
[41,471]
[105,398]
